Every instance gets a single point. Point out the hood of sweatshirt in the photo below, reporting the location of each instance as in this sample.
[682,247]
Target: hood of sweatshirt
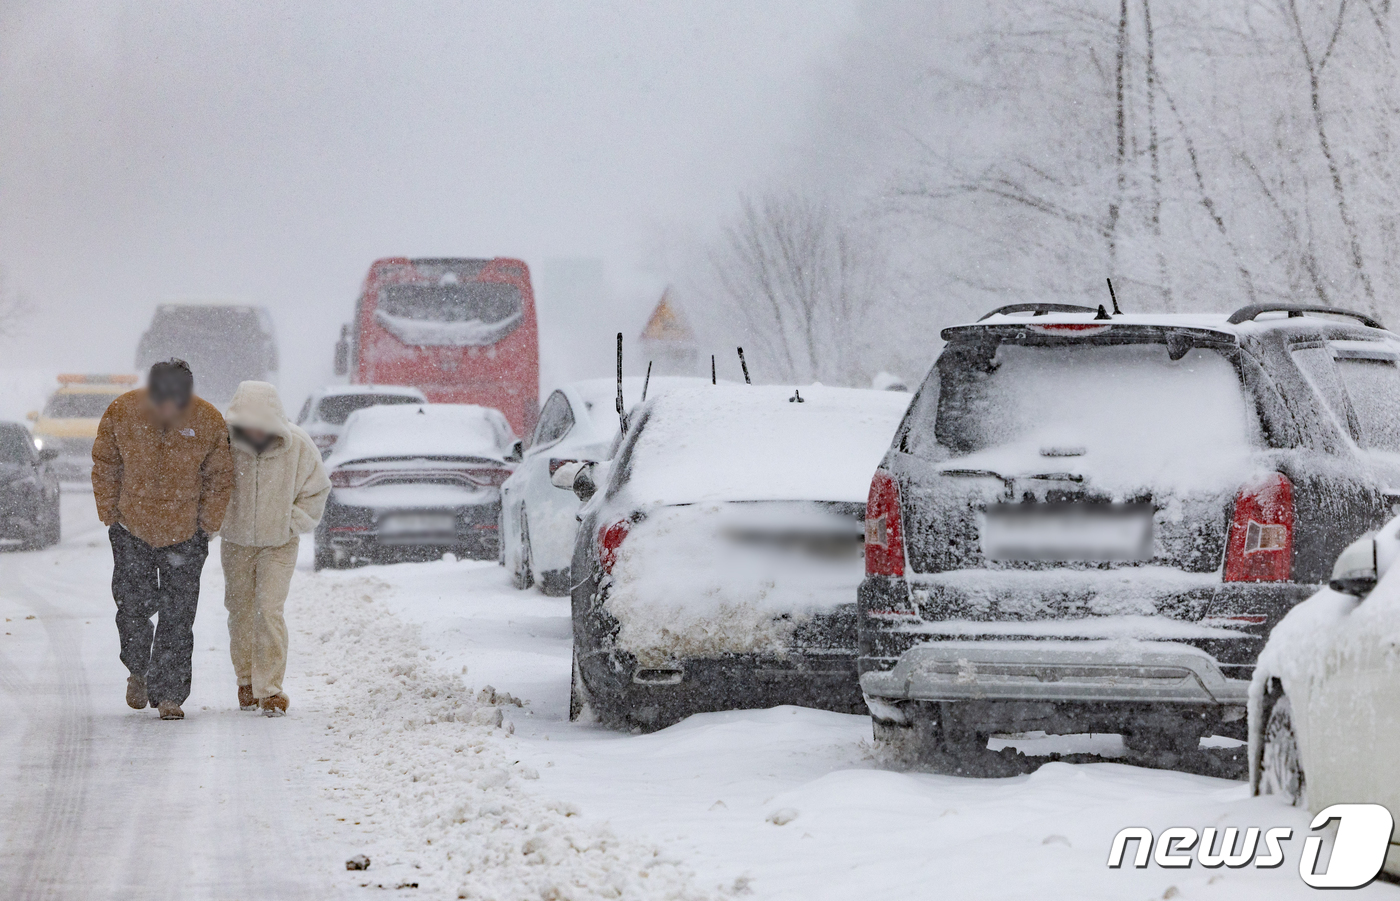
[255,405]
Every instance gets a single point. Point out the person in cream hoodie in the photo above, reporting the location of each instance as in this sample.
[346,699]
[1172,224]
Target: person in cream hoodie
[279,493]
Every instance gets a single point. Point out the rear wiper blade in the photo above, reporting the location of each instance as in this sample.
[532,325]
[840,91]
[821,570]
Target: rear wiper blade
[975,474]
[1057,476]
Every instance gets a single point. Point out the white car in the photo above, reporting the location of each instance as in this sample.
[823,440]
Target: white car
[577,423]
[325,411]
[415,482]
[1324,707]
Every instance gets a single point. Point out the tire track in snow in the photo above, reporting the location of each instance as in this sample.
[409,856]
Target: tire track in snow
[56,762]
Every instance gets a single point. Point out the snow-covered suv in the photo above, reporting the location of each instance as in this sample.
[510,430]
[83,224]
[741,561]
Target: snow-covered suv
[1091,523]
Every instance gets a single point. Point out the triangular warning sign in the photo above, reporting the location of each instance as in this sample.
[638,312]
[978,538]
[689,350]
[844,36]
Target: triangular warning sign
[666,323]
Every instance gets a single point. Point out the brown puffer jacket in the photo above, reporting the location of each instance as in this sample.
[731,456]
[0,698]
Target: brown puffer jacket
[161,484]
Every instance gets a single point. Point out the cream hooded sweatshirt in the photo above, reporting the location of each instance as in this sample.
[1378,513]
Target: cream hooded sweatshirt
[281,492]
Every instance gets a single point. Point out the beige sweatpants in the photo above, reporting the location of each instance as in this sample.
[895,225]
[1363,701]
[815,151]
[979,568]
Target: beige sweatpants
[256,581]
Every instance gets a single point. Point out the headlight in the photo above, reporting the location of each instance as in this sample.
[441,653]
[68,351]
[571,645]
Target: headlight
[38,443]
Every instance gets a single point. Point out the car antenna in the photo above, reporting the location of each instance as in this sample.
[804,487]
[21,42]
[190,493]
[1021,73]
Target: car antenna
[621,409]
[712,370]
[646,382]
[745,367]
[1113,297]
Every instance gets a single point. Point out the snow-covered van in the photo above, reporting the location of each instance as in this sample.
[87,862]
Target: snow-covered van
[1091,522]
[716,564]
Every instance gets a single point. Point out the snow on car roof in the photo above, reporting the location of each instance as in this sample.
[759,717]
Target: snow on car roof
[392,390]
[423,430]
[755,443]
[601,396]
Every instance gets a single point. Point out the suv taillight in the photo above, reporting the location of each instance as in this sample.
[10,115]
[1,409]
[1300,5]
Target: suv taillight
[609,540]
[884,534]
[1260,546]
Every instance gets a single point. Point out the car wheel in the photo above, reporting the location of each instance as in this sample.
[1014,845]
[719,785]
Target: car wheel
[53,529]
[324,559]
[580,704]
[521,576]
[1281,769]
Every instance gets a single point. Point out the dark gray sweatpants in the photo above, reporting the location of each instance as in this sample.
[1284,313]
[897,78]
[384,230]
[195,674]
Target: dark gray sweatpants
[164,583]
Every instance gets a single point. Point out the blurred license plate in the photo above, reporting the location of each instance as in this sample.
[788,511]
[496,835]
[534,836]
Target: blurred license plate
[417,524]
[1068,533]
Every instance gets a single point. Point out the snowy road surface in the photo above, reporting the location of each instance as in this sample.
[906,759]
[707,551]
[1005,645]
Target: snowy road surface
[391,750]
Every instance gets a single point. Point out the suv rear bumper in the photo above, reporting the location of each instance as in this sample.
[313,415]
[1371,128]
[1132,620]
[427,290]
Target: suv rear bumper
[1074,671]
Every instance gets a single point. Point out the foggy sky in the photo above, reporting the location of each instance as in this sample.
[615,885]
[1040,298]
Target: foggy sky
[268,152]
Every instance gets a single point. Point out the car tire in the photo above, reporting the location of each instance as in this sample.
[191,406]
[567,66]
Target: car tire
[47,532]
[521,576]
[1281,770]
[323,559]
[580,703]
[53,530]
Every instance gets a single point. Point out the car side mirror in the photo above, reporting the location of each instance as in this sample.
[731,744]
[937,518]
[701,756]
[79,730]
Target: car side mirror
[1355,571]
[32,416]
[48,453]
[576,476]
[516,452]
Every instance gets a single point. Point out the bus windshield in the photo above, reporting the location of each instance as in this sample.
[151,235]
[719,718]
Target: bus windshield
[488,302]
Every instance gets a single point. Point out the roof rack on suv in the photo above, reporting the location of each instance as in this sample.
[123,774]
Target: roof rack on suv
[1247,314]
[1039,309]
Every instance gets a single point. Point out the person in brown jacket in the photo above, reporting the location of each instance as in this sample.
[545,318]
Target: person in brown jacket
[161,476]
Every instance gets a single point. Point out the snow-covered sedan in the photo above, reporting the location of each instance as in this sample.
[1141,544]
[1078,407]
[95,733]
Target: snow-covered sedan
[325,411]
[578,422]
[716,566]
[1324,706]
[415,482]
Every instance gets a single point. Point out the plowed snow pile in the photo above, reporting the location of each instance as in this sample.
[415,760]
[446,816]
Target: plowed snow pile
[429,763]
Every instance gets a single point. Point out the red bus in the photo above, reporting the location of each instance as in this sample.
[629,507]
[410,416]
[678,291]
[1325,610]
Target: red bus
[462,331]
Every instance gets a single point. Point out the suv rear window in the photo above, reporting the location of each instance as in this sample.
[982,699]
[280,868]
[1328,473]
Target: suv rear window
[1127,401]
[336,408]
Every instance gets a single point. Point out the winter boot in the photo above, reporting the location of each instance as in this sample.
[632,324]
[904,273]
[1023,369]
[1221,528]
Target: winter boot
[246,701]
[275,705]
[136,692]
[169,710]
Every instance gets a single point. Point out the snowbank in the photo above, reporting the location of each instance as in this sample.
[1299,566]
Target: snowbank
[432,764]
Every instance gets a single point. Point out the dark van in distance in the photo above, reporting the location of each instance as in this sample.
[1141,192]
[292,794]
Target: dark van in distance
[224,344]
